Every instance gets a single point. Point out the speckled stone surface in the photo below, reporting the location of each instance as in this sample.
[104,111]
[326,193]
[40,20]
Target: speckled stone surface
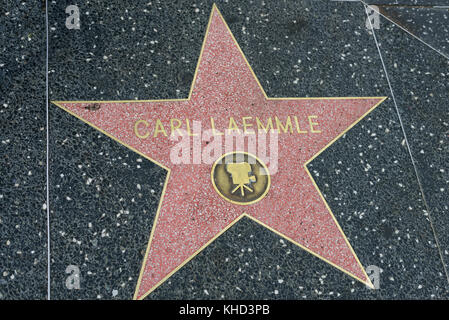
[104,196]
[103,199]
[429,24]
[419,3]
[23,235]
[420,81]
[191,212]
[392,222]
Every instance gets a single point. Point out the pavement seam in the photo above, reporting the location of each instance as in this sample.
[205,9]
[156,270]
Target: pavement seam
[408,148]
[402,28]
[47,155]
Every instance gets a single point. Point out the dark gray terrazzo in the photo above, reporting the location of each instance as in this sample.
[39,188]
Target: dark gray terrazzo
[104,198]
[429,24]
[328,43]
[368,180]
[23,235]
[250,262]
[422,3]
[420,81]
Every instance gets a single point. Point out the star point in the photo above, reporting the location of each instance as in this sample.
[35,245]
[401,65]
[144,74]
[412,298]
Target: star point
[227,97]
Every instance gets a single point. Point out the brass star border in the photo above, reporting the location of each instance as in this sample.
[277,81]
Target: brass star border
[214,7]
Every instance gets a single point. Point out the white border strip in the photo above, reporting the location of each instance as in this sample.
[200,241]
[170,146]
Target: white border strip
[408,146]
[48,149]
[402,28]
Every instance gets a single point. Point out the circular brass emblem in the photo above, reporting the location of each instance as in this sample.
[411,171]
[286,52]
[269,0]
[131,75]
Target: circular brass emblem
[240,178]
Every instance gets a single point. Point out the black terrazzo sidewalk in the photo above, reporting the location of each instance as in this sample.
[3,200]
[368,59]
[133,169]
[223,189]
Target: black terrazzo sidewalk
[103,196]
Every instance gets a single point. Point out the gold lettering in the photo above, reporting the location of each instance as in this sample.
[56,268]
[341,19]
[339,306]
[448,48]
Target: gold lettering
[246,125]
[189,132]
[175,127]
[233,125]
[297,126]
[288,125]
[159,128]
[313,124]
[260,125]
[136,130]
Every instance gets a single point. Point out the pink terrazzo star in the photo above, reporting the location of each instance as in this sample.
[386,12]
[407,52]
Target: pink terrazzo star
[191,213]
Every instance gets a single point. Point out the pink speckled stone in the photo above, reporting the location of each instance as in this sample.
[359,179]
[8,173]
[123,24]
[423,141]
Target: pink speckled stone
[191,212]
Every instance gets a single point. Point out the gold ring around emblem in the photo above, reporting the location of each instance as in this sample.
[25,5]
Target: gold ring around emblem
[240,178]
